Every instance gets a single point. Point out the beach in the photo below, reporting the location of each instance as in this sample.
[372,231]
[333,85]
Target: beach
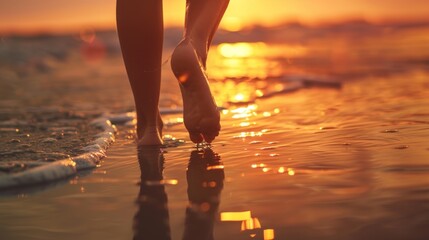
[324,138]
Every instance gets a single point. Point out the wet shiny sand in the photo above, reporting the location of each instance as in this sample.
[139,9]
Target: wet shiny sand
[347,163]
[342,161]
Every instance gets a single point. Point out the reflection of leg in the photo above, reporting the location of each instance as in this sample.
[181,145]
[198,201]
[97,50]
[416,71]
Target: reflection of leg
[140,30]
[152,219]
[188,63]
[204,188]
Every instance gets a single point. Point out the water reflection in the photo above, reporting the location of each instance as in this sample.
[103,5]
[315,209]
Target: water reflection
[250,226]
[205,177]
[152,218]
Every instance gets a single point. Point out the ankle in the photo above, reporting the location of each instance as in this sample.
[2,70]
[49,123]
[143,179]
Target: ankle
[198,45]
[150,135]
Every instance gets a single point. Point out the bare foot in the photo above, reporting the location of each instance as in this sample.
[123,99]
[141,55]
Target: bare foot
[201,117]
[150,135]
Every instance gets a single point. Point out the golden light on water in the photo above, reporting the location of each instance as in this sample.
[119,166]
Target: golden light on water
[248,134]
[266,114]
[239,97]
[269,234]
[245,71]
[235,216]
[215,167]
[250,224]
[281,170]
[241,59]
[259,93]
[241,115]
[244,112]
[249,108]
[239,50]
[161,182]
[176,120]
[229,91]
[246,124]
[260,165]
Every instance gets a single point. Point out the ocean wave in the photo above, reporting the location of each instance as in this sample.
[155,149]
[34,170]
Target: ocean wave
[51,171]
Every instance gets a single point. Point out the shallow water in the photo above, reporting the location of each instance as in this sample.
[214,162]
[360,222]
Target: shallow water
[348,162]
[326,164]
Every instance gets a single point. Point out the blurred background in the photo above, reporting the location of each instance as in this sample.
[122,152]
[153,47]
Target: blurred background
[47,46]
[33,16]
[348,159]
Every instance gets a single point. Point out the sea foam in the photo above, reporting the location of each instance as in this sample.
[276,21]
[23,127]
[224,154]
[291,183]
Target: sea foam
[61,169]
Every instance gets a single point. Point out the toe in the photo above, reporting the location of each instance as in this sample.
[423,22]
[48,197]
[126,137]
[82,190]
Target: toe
[211,129]
[209,137]
[195,137]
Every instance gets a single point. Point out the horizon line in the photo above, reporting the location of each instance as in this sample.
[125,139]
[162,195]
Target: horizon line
[55,31]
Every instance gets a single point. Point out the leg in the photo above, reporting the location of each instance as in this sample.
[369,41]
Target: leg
[188,63]
[202,21]
[140,31]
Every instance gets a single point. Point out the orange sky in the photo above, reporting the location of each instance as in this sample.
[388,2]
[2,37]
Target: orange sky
[63,15]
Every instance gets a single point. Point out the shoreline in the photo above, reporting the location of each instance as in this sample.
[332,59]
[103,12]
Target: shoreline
[61,169]
[305,165]
[42,173]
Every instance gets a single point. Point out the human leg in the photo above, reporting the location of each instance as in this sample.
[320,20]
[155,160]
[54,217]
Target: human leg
[202,21]
[140,31]
[188,63]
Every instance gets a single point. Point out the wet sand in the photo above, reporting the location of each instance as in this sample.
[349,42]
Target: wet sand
[347,163]
[343,159]
[36,137]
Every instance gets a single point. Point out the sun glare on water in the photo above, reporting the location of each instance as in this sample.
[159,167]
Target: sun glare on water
[237,50]
[239,60]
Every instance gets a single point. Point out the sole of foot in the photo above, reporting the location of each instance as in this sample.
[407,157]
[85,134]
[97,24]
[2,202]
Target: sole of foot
[200,113]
